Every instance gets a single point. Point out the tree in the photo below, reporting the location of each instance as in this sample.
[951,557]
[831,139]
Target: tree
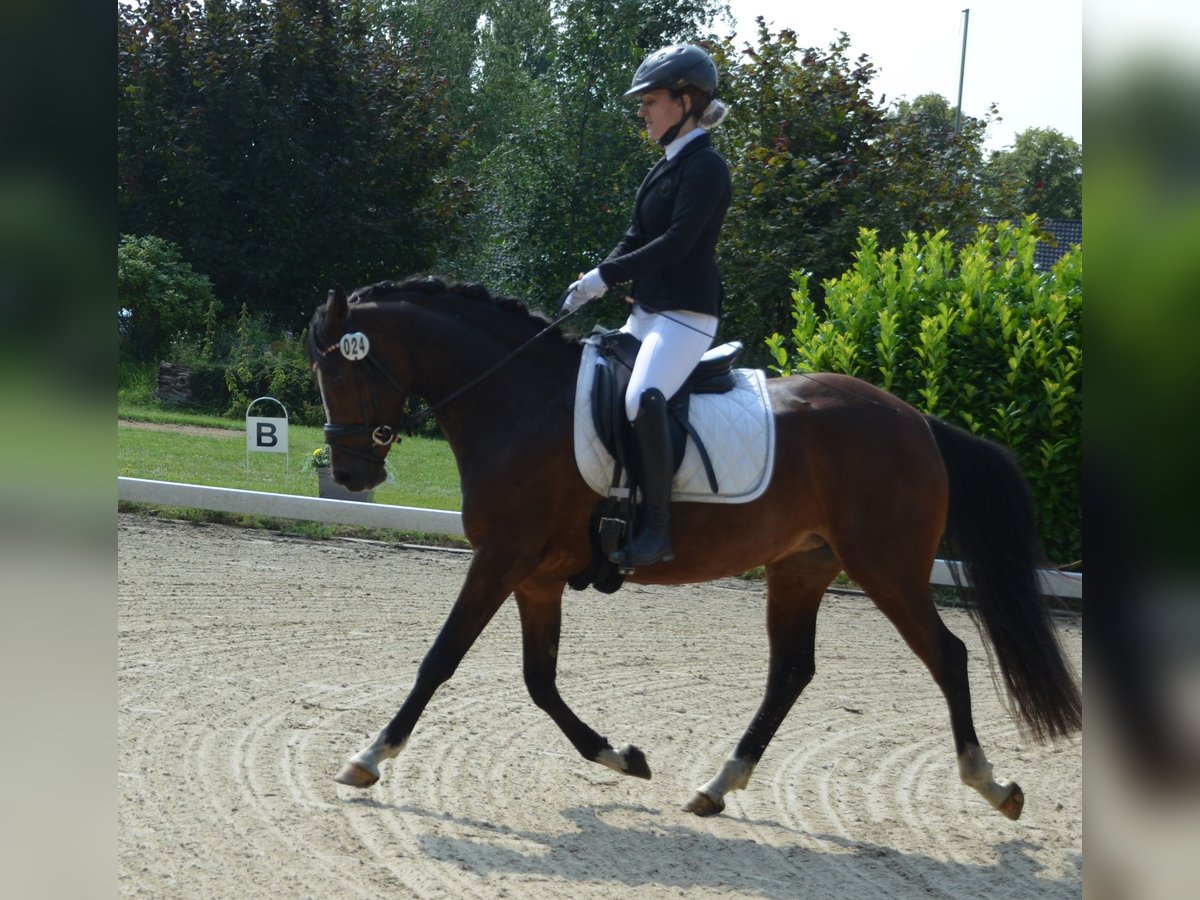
[815,157]
[928,177]
[1042,174]
[283,146]
[159,294]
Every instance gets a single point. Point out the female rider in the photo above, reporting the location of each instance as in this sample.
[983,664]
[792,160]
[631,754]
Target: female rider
[668,253]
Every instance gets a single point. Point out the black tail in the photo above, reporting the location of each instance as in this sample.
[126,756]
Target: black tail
[991,528]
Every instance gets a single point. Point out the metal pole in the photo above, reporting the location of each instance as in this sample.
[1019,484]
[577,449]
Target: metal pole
[962,68]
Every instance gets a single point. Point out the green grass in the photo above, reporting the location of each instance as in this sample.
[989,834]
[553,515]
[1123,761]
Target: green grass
[422,471]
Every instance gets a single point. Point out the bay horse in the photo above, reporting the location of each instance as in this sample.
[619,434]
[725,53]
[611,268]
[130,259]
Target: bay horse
[863,483]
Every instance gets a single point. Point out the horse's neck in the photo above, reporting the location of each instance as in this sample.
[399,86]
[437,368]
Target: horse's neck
[530,385]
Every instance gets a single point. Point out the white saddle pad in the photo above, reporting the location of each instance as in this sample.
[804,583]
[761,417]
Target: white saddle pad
[737,428]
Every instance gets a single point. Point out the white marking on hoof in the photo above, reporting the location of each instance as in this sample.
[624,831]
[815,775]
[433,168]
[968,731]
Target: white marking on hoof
[975,771]
[710,798]
[628,760]
[362,769]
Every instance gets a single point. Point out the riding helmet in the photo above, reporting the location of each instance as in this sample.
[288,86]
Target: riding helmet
[675,67]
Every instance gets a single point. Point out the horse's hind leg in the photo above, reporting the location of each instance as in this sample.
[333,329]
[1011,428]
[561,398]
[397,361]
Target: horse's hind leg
[540,605]
[795,587]
[906,602]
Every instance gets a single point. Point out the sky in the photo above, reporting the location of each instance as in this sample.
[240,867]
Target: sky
[1024,55]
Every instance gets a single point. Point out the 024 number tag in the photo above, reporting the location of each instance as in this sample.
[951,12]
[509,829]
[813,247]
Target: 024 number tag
[354,346]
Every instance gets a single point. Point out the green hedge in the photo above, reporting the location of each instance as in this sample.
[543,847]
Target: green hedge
[230,366]
[979,338]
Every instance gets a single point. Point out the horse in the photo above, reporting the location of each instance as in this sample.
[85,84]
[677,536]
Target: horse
[862,483]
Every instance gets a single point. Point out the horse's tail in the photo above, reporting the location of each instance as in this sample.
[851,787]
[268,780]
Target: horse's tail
[991,527]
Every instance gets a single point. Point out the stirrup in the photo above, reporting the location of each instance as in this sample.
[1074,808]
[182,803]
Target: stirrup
[625,565]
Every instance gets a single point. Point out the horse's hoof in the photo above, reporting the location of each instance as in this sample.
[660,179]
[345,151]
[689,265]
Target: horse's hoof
[356,776]
[704,805]
[635,762]
[1012,805]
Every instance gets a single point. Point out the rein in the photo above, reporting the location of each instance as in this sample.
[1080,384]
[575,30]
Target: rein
[386,435]
[411,422]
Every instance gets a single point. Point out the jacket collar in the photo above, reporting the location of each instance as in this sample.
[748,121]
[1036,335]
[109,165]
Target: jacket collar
[676,146]
[665,165]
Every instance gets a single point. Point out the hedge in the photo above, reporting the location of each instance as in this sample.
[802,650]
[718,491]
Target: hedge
[978,337]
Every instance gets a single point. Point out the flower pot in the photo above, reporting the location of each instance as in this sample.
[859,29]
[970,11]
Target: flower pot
[331,490]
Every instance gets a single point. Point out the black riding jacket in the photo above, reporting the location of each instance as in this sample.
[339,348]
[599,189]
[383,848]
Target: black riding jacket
[669,251]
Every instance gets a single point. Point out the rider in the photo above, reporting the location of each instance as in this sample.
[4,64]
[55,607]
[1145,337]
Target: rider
[668,253]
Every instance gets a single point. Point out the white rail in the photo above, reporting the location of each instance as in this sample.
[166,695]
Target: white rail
[404,518]
[289,506]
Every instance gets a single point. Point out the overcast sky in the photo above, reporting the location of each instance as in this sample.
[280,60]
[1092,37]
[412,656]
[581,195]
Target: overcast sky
[1024,55]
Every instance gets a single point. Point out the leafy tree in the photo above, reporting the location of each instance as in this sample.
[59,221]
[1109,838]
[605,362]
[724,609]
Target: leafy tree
[815,157]
[284,146]
[442,37]
[1041,175]
[159,294]
[927,180]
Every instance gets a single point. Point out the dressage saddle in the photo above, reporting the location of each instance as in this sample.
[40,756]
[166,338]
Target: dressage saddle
[616,353]
[613,516]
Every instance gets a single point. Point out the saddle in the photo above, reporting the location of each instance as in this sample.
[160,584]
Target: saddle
[617,351]
[612,518]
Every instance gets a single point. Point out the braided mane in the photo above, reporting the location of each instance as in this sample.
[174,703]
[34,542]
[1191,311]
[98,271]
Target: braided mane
[418,287]
[432,285]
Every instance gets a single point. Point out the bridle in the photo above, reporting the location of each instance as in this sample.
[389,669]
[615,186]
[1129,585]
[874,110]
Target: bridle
[381,435]
[386,435]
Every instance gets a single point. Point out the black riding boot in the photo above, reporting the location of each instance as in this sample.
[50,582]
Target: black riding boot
[653,542]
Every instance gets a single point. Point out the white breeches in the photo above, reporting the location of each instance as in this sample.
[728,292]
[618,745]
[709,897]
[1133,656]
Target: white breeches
[672,344]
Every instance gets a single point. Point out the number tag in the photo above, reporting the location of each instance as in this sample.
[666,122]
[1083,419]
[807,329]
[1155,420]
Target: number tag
[354,346]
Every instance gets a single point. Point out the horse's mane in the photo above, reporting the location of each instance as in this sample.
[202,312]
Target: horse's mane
[432,286]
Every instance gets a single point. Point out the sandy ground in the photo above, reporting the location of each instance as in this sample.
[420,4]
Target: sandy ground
[252,663]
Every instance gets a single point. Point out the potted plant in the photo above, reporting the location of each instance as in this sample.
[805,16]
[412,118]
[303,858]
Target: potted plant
[326,486]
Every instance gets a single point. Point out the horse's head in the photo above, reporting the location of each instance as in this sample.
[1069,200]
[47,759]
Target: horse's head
[364,393]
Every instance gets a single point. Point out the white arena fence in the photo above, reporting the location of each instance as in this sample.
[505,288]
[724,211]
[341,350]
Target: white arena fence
[405,518]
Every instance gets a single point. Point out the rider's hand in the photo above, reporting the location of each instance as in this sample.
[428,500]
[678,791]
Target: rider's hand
[588,287]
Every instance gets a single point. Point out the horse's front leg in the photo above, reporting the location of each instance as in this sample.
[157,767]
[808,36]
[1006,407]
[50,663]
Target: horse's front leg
[489,581]
[540,605]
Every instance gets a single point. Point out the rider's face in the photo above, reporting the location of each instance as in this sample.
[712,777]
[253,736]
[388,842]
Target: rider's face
[660,111]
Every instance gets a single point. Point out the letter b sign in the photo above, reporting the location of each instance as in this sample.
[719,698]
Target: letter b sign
[266,435]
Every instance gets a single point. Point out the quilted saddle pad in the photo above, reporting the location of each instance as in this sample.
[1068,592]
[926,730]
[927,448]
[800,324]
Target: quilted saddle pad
[737,428]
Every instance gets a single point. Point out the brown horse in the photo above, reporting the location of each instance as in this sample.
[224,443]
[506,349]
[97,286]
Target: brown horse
[862,483]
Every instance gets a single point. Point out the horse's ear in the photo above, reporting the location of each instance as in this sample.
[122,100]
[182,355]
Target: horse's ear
[337,309]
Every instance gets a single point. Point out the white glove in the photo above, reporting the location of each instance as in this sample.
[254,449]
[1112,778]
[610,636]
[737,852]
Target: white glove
[589,287]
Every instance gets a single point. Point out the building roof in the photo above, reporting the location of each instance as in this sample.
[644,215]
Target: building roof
[1066,232]
[1063,234]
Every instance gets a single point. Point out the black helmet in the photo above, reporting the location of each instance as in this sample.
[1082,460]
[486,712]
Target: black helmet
[674,67]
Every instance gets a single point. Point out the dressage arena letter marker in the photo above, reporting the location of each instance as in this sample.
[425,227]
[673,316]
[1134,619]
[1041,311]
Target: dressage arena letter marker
[266,434]
[354,346]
